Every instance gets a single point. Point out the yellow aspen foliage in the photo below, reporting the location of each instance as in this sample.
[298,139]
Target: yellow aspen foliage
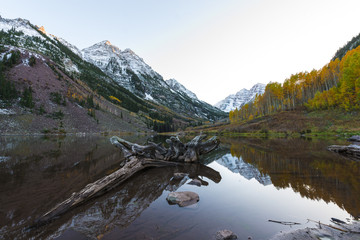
[115,99]
[336,85]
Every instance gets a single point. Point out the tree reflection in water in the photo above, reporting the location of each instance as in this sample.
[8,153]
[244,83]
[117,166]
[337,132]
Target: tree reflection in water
[303,165]
[41,173]
[36,174]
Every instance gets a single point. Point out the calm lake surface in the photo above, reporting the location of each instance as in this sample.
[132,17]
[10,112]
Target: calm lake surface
[261,179]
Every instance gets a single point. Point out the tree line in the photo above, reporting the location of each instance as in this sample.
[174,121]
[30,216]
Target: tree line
[336,85]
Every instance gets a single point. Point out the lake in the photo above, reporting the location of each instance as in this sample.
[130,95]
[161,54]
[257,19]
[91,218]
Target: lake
[291,180]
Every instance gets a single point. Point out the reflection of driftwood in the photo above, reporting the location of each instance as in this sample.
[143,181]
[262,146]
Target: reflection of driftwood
[138,158]
[339,229]
[285,223]
[351,151]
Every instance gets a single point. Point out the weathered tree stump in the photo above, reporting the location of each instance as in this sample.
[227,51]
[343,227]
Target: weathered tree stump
[137,158]
[177,151]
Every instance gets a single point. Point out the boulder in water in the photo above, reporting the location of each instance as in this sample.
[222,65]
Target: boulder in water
[183,199]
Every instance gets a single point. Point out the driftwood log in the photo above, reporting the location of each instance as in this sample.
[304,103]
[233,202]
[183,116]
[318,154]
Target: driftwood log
[177,151]
[137,158]
[351,151]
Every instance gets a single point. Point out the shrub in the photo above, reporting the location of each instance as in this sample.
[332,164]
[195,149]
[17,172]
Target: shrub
[57,115]
[264,130]
[57,98]
[32,61]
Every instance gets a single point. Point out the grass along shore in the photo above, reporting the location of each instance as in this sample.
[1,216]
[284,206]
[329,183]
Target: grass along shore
[290,123]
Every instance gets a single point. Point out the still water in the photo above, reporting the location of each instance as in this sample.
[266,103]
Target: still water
[261,179]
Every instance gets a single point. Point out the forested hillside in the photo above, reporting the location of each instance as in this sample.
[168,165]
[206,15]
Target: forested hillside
[336,85]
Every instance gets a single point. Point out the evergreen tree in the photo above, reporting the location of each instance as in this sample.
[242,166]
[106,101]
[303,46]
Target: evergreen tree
[27,99]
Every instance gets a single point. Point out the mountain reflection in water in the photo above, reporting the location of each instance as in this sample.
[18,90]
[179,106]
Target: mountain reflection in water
[256,176]
[237,165]
[305,166]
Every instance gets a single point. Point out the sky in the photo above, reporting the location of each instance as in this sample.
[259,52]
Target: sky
[214,48]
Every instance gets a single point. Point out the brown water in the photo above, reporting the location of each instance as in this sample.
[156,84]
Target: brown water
[280,179]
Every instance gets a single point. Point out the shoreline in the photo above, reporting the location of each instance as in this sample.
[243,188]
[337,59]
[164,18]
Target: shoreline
[349,231]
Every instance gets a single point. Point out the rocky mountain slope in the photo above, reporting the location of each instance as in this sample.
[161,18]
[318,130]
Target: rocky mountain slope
[176,86]
[47,100]
[352,44]
[240,98]
[131,72]
[126,83]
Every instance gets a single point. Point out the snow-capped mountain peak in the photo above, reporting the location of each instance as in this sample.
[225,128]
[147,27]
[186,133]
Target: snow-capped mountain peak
[176,86]
[104,53]
[240,98]
[19,24]
[73,48]
[130,71]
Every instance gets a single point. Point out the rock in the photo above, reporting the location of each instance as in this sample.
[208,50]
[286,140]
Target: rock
[355,138]
[225,235]
[179,176]
[351,151]
[314,233]
[183,199]
[195,182]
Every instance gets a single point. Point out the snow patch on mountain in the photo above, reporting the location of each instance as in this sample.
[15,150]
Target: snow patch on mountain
[6,111]
[148,97]
[240,98]
[176,86]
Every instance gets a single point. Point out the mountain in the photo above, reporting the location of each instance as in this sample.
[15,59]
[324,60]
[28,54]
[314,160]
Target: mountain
[123,66]
[248,171]
[352,44]
[240,98]
[37,96]
[176,86]
[22,34]
[33,63]
[131,72]
[136,97]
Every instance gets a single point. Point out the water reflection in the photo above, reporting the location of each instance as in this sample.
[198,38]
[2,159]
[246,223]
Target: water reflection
[247,170]
[36,173]
[301,164]
[122,206]
[256,183]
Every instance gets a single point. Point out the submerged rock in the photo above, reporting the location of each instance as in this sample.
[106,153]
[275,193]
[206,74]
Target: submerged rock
[225,235]
[351,151]
[183,199]
[179,176]
[355,138]
[195,182]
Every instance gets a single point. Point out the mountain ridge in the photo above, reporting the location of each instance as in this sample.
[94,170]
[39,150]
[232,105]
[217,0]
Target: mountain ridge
[176,86]
[130,71]
[156,111]
[240,98]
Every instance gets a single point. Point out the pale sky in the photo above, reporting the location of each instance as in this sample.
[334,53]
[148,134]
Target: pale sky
[213,47]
